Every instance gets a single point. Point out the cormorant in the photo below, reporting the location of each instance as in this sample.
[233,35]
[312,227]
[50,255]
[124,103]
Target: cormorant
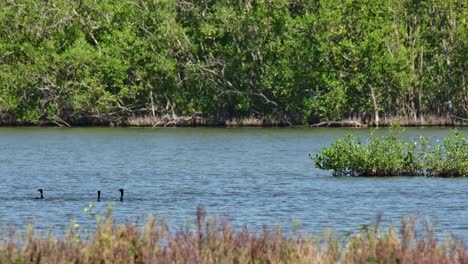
[121,194]
[41,192]
[98,196]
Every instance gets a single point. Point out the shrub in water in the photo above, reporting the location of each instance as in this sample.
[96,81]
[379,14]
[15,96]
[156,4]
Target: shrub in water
[389,155]
[451,159]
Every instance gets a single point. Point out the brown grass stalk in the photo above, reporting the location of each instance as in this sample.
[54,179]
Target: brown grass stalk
[214,241]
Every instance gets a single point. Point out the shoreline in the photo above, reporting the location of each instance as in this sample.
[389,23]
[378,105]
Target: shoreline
[196,121]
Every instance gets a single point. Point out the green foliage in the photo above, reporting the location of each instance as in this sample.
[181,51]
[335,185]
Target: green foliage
[391,156]
[66,61]
[449,159]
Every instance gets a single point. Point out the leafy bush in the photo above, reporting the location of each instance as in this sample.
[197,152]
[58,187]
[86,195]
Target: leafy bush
[391,156]
[451,159]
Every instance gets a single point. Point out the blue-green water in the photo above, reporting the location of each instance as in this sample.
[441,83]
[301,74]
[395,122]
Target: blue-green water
[255,177]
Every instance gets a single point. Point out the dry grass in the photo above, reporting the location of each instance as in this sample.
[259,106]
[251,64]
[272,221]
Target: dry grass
[427,120]
[181,121]
[388,120]
[214,241]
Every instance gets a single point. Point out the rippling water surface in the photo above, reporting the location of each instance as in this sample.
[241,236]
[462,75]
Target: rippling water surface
[252,176]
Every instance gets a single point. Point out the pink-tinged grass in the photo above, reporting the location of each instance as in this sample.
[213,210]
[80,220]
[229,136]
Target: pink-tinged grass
[214,241]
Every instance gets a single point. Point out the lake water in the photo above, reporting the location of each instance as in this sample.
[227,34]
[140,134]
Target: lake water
[253,176]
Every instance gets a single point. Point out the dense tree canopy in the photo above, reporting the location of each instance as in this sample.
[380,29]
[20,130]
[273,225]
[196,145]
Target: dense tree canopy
[68,61]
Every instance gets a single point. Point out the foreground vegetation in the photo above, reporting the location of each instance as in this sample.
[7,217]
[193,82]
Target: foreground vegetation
[391,156]
[214,241]
[284,62]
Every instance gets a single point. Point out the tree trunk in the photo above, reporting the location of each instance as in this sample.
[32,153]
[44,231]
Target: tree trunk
[152,104]
[420,84]
[449,80]
[376,110]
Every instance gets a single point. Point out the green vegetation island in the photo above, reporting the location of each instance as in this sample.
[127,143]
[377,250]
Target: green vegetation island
[279,62]
[389,155]
[215,241]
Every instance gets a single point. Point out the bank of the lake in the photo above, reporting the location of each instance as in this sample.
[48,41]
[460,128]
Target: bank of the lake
[252,121]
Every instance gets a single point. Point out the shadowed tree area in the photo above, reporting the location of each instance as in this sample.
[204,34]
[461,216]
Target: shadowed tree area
[296,62]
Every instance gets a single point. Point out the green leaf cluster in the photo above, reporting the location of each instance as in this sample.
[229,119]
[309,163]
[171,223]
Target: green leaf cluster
[449,159]
[389,155]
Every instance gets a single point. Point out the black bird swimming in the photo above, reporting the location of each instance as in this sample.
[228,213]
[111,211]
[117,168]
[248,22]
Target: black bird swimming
[41,192]
[98,196]
[121,194]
